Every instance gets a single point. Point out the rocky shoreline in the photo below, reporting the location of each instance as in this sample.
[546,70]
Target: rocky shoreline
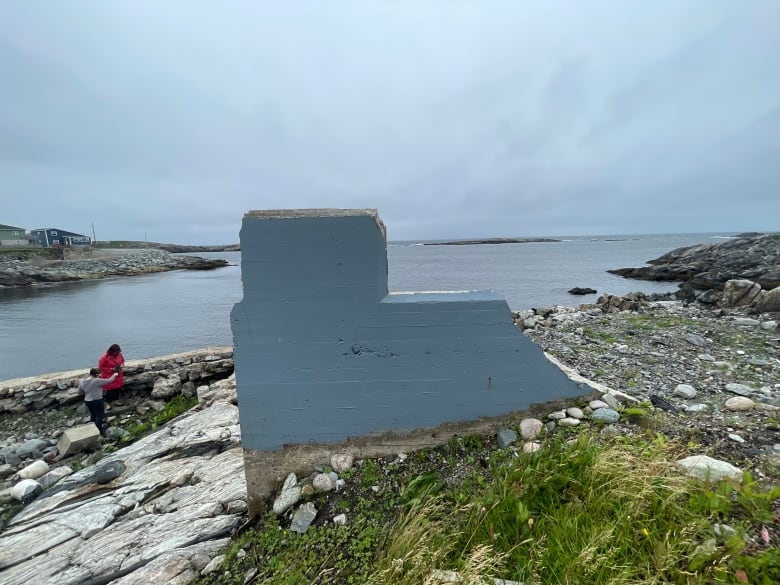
[22,271]
[706,267]
[165,506]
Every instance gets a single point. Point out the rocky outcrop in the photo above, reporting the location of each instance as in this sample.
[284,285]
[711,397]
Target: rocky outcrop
[177,248]
[185,371]
[754,257]
[156,511]
[18,272]
[491,241]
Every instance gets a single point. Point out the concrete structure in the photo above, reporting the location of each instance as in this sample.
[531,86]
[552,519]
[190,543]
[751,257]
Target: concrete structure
[77,439]
[326,359]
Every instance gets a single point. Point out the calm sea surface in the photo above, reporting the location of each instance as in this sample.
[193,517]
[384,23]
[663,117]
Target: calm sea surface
[68,326]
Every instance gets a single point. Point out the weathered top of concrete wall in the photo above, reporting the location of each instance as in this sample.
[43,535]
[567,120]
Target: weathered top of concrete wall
[326,212]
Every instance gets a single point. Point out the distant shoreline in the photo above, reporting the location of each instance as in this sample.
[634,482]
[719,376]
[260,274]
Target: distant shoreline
[491,241]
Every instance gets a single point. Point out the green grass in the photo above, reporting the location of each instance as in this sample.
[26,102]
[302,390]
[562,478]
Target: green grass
[652,321]
[590,510]
[602,336]
[173,408]
[28,253]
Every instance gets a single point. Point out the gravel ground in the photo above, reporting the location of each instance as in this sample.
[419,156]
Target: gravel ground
[649,353]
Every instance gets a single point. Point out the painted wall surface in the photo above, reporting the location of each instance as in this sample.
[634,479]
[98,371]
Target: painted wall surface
[322,352]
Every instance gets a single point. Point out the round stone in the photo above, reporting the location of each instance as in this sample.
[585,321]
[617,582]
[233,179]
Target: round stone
[323,483]
[530,427]
[341,462]
[575,412]
[739,403]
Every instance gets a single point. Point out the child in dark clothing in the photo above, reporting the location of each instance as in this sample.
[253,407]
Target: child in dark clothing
[92,387]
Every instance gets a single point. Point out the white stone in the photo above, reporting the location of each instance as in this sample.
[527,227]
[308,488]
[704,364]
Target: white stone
[736,437]
[694,408]
[769,325]
[707,468]
[746,322]
[340,519]
[530,427]
[531,447]
[569,422]
[34,470]
[557,415]
[26,489]
[596,404]
[322,482]
[341,462]
[575,412]
[739,403]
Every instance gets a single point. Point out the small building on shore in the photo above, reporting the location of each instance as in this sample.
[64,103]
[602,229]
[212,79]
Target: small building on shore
[14,237]
[55,237]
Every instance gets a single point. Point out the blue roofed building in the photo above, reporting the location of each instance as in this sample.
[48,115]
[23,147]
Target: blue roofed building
[55,237]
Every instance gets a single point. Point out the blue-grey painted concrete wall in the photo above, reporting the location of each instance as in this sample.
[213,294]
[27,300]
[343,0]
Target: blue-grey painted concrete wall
[322,352]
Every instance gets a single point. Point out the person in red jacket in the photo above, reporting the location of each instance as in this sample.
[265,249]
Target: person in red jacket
[107,364]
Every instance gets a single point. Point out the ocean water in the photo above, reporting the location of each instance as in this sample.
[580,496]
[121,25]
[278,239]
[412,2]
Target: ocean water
[69,325]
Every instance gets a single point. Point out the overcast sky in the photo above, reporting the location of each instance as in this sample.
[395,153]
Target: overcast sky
[169,120]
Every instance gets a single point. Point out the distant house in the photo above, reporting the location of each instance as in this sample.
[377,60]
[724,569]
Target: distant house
[13,236]
[54,237]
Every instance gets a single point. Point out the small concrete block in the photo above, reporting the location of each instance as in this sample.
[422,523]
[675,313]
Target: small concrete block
[78,439]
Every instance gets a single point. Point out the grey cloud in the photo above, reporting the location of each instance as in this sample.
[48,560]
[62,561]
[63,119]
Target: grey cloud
[455,120]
